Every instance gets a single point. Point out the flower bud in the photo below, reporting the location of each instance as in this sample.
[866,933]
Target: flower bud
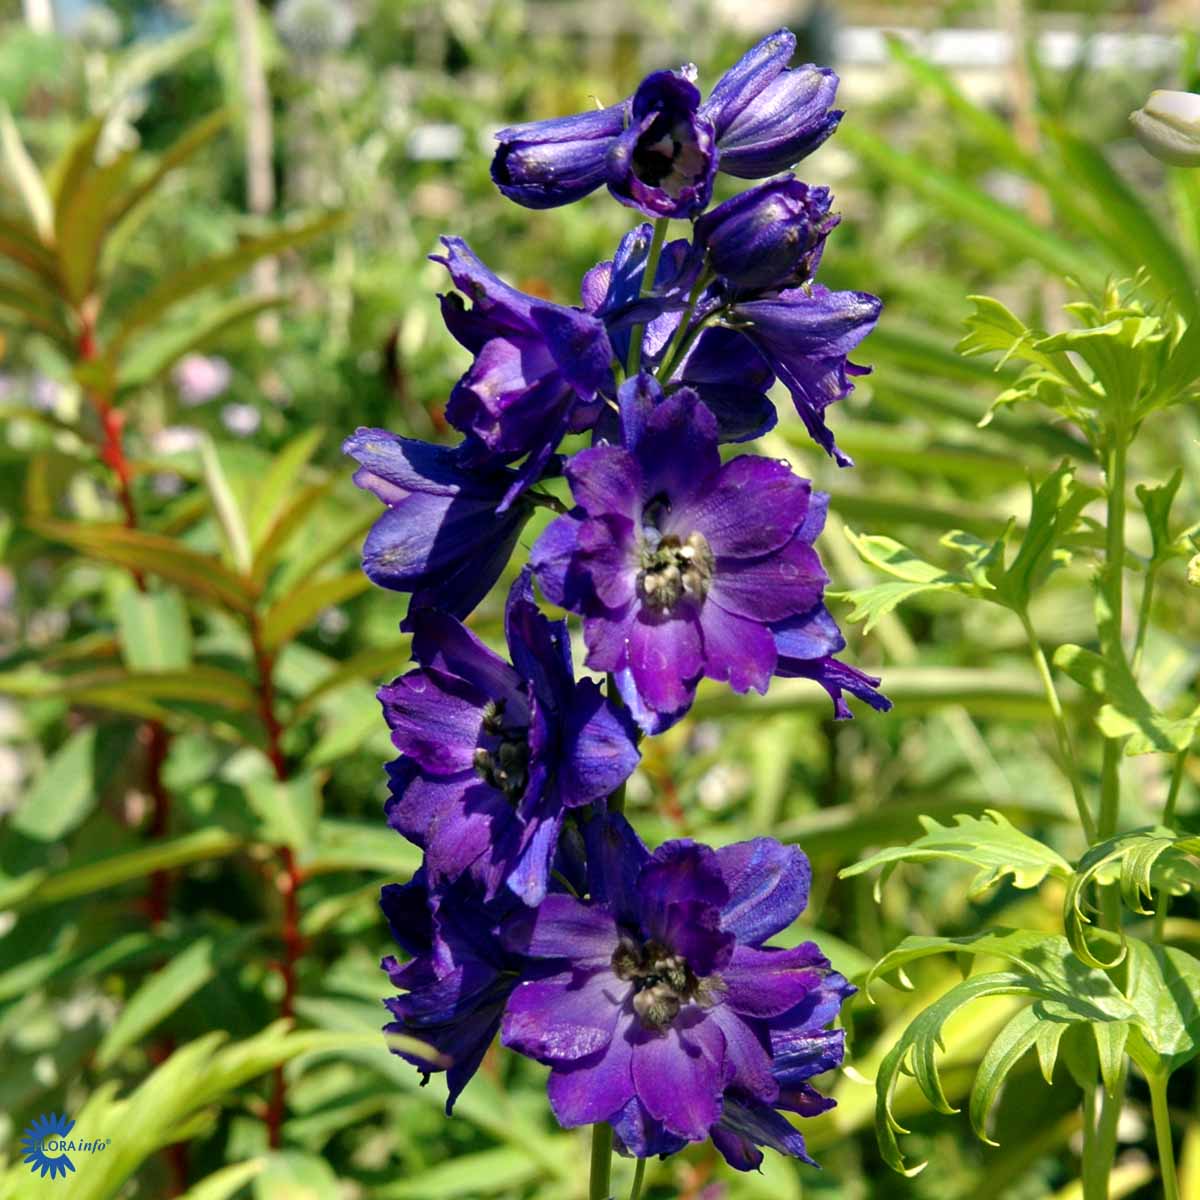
[768,237]
[1168,126]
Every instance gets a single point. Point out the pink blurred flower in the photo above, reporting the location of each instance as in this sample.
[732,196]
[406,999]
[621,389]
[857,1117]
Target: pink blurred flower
[201,378]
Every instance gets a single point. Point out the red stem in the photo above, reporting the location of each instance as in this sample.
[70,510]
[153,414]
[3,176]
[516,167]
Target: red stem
[154,733]
[289,879]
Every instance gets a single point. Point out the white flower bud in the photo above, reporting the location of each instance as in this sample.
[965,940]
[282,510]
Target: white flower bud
[1168,126]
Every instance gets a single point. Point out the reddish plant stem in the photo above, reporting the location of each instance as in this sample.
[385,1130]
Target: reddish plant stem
[289,878]
[153,733]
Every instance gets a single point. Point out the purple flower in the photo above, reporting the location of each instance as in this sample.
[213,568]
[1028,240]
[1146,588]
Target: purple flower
[768,237]
[538,369]
[660,1007]
[459,976]
[494,755]
[766,116]
[444,536]
[805,335]
[680,566]
[543,164]
[663,164]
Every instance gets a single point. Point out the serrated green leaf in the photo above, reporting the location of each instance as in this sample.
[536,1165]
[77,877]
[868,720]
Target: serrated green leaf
[1131,858]
[1008,1048]
[154,631]
[989,843]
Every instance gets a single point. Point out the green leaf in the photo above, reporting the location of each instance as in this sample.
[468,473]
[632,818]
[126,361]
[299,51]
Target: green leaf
[1127,713]
[156,355]
[486,1173]
[1156,503]
[165,990]
[212,272]
[65,791]
[915,1052]
[1055,509]
[25,175]
[20,244]
[197,573]
[77,161]
[126,691]
[116,869]
[154,630]
[81,221]
[989,843]
[291,1175]
[227,1182]
[36,307]
[1131,858]
[290,809]
[270,496]
[1009,1047]
[340,845]
[982,213]
[297,610]
[229,514]
[1164,988]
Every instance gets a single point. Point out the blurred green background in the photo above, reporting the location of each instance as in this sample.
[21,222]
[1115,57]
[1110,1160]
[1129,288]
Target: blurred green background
[986,152]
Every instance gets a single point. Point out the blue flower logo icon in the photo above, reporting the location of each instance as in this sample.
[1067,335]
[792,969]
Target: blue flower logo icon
[52,1128]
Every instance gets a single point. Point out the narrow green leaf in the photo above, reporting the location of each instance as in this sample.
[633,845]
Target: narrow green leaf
[280,481]
[227,1182]
[229,514]
[290,810]
[212,272]
[116,869]
[164,991]
[163,556]
[289,1175]
[297,610]
[154,630]
[67,174]
[1010,1046]
[81,222]
[20,244]
[26,176]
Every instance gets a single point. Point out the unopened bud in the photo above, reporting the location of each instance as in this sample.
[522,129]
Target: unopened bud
[1168,126]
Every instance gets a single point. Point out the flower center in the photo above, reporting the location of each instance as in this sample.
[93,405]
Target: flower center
[672,568]
[662,982]
[502,757]
[667,157]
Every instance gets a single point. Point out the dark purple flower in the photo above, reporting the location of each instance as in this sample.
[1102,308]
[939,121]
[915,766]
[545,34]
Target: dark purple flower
[768,237]
[659,998]
[543,164]
[663,164]
[459,976]
[805,335]
[538,369]
[494,755]
[766,116]
[444,536]
[679,565]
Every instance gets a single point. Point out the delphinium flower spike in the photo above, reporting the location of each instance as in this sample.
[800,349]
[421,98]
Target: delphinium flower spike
[644,980]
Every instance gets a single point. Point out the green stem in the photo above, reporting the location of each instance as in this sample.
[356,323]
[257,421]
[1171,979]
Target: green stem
[648,275]
[682,338]
[1062,734]
[639,1173]
[1162,1136]
[600,1179]
[1114,591]
[1100,1151]
[1168,818]
[1143,618]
